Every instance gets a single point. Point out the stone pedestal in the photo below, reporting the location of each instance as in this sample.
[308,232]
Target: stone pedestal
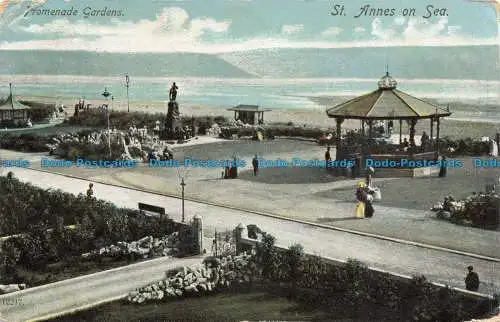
[198,234]
[172,123]
[238,235]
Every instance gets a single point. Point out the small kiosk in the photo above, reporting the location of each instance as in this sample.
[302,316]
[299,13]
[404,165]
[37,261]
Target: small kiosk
[247,114]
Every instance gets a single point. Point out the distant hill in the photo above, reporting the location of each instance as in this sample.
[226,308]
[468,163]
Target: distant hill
[116,64]
[467,62]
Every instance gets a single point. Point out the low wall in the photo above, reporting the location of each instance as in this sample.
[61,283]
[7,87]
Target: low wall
[423,172]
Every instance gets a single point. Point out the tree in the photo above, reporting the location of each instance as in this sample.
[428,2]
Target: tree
[294,258]
[267,255]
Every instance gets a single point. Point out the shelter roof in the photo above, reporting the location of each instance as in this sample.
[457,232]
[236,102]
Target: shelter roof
[11,104]
[248,108]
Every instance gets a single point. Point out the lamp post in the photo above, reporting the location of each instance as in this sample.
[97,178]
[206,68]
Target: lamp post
[183,184]
[106,94]
[127,84]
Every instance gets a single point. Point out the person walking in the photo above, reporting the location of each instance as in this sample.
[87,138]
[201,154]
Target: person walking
[361,196]
[472,280]
[255,164]
[90,191]
[442,170]
[328,158]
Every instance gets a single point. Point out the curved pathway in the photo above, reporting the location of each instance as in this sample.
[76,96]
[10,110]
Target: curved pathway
[439,266]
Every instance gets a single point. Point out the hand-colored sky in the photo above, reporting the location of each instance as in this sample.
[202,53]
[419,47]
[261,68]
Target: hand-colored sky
[215,26]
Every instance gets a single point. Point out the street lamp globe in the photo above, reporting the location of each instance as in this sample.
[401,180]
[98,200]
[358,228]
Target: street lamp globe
[106,94]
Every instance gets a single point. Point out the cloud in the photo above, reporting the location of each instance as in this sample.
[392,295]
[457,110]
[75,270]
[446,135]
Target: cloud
[291,29]
[453,30]
[420,28]
[380,32]
[12,11]
[399,21]
[359,29]
[173,30]
[420,31]
[332,31]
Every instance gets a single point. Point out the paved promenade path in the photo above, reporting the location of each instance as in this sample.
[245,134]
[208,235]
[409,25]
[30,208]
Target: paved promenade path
[43,301]
[438,266]
[309,194]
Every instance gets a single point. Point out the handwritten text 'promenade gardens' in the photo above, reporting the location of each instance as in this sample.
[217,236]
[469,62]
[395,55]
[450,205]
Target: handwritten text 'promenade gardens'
[425,12]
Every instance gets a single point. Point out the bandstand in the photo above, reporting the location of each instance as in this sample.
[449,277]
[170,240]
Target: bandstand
[387,103]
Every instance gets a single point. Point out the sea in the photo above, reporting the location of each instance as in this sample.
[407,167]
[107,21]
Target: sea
[472,100]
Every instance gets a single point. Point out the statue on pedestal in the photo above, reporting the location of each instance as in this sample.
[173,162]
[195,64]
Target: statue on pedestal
[172,95]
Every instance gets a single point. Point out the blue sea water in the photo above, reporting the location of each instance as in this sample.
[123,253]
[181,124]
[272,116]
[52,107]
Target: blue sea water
[268,93]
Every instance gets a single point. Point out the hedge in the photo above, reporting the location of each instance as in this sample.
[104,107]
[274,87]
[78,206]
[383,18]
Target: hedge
[273,131]
[27,209]
[312,281]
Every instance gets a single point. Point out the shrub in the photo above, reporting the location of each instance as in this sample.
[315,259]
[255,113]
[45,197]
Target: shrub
[24,142]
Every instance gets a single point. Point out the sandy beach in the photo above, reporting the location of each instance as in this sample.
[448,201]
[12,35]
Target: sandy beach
[309,117]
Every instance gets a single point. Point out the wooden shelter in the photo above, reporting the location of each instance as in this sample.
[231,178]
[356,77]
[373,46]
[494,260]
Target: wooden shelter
[247,113]
[388,103]
[13,111]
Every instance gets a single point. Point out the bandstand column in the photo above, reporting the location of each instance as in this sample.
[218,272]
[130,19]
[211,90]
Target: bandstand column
[338,136]
[400,131]
[413,122]
[370,128]
[363,128]
[432,128]
[437,135]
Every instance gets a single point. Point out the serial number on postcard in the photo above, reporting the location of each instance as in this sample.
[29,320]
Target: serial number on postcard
[429,11]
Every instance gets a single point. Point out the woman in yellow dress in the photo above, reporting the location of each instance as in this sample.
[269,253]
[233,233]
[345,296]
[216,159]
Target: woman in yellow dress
[361,197]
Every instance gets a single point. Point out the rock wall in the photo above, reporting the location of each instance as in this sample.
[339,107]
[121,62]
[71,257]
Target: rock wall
[145,247]
[202,279]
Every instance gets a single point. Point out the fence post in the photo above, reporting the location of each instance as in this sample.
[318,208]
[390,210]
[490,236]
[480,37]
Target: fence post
[238,234]
[198,233]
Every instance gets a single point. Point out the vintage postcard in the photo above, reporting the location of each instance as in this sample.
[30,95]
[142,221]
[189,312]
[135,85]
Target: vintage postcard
[249,160]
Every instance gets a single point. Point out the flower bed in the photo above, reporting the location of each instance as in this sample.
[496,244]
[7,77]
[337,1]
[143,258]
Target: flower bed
[478,210]
[214,275]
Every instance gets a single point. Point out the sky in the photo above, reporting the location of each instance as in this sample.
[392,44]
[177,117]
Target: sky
[225,26]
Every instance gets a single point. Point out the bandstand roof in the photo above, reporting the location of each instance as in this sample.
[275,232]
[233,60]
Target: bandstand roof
[386,103]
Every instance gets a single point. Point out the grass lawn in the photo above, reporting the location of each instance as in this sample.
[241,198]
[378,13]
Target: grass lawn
[248,305]
[63,270]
